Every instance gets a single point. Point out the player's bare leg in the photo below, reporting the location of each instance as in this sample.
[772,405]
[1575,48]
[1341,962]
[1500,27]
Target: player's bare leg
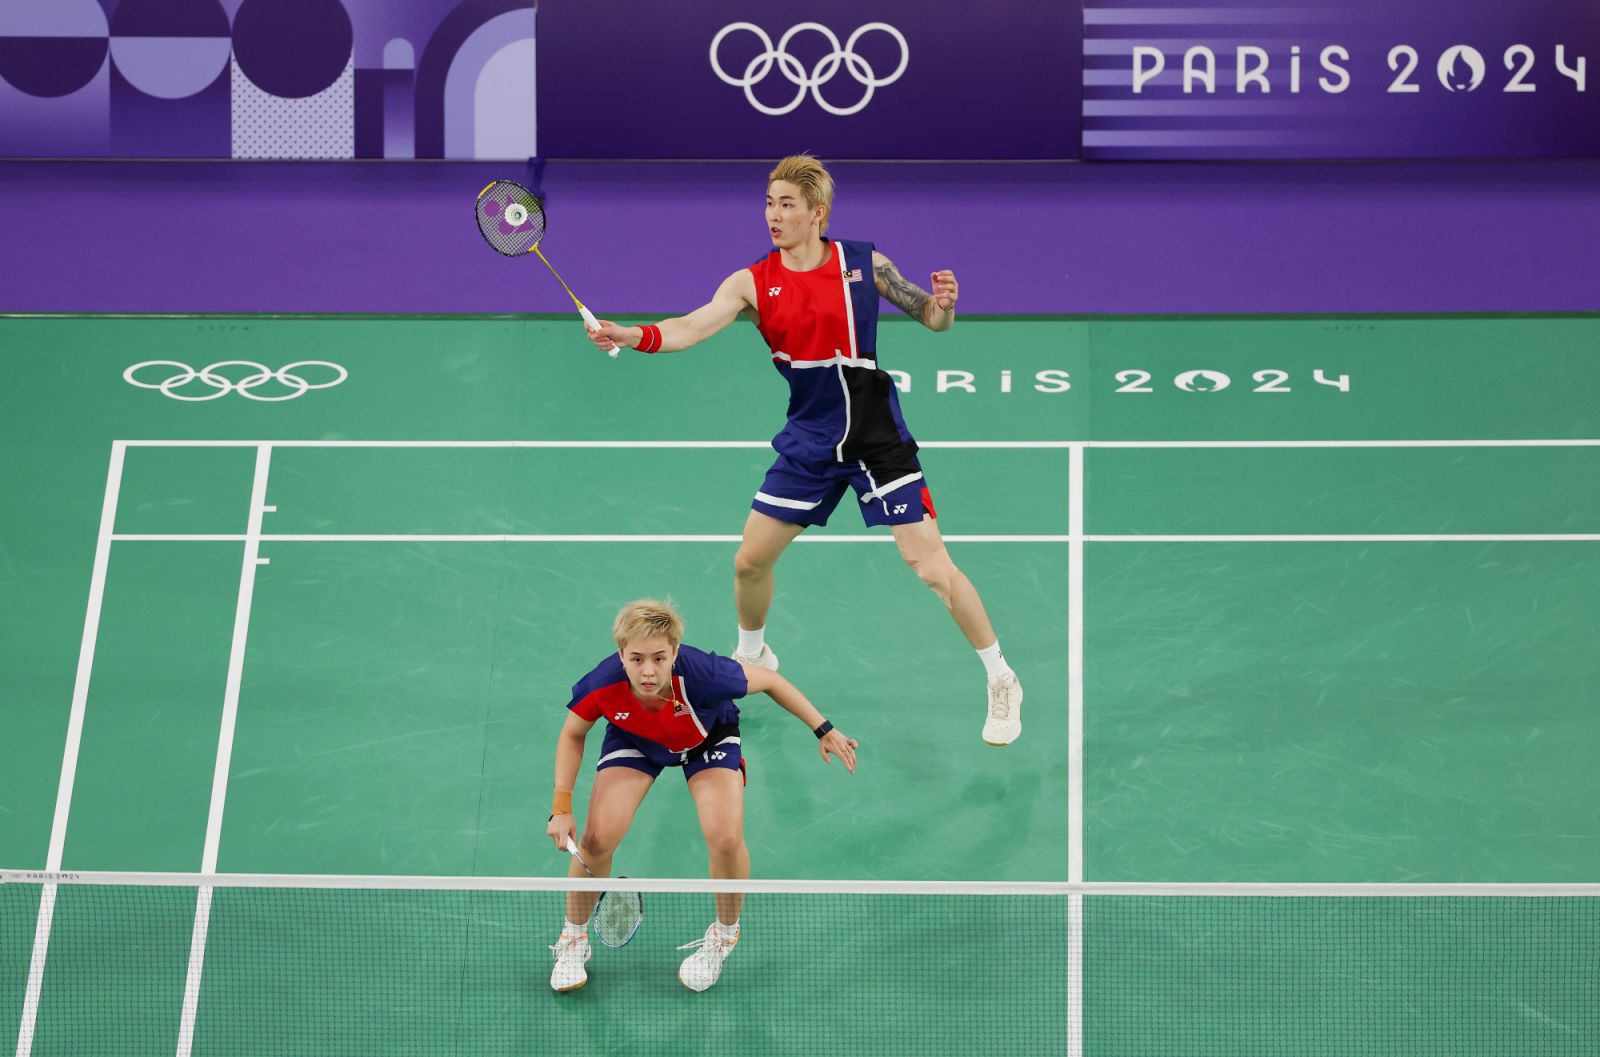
[922,546]
[719,798]
[764,541]
[617,794]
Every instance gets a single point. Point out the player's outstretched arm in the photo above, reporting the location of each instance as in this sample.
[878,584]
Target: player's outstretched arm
[569,757]
[736,294]
[936,310]
[830,742]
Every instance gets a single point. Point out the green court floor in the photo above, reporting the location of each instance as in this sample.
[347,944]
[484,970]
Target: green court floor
[1337,578]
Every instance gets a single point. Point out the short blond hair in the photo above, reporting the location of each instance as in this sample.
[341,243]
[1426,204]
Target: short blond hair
[806,173]
[645,617]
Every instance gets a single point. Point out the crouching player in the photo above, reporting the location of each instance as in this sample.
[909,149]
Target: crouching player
[666,704]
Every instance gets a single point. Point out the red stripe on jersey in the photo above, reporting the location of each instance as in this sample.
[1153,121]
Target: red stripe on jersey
[674,726]
[804,315]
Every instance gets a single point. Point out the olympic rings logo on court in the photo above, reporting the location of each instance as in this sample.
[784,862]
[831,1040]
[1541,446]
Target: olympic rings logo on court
[221,385]
[812,80]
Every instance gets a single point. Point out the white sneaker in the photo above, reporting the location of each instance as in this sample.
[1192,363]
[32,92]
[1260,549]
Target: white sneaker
[570,953]
[1005,710]
[765,659]
[701,969]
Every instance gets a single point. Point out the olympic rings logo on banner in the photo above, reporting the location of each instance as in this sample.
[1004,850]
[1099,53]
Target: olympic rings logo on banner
[222,385]
[794,71]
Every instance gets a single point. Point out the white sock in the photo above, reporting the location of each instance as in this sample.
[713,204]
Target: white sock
[730,932]
[750,642]
[994,662]
[569,929]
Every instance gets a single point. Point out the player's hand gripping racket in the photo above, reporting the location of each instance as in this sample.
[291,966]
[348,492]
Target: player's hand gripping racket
[618,914]
[511,219]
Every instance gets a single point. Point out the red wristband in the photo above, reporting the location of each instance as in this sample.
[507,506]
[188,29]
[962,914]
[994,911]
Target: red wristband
[651,340]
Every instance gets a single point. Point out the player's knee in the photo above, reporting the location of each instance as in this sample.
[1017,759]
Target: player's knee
[725,843]
[748,563]
[935,570]
[598,842]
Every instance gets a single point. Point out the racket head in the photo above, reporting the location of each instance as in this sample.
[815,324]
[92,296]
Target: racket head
[617,917]
[510,218]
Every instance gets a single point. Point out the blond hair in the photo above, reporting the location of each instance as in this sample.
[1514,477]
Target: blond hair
[806,173]
[646,617]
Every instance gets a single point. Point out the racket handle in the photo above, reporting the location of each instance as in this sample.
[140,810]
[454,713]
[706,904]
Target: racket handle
[594,324]
[572,848]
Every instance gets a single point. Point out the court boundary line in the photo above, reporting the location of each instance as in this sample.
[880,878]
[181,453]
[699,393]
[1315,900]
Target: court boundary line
[1076,500]
[67,778]
[1037,445]
[1308,537]
[311,537]
[252,561]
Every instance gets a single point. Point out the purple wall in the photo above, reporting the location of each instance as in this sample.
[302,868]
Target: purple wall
[636,238]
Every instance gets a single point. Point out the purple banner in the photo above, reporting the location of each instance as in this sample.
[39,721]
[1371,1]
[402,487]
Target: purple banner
[1355,79]
[302,79]
[887,79]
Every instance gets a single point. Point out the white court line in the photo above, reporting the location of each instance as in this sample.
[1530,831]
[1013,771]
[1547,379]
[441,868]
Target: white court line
[1069,538]
[594,444]
[219,779]
[535,538]
[1389,537]
[69,760]
[951,444]
[1075,571]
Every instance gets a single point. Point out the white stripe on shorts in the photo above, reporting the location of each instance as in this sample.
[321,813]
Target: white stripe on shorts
[619,754]
[877,493]
[792,504]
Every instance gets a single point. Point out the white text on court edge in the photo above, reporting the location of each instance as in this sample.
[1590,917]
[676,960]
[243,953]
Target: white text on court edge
[1132,380]
[1458,68]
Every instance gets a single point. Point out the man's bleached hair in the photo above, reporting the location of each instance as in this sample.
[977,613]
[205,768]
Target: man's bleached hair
[647,617]
[806,173]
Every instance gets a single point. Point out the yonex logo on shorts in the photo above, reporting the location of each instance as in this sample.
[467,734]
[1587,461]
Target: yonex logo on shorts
[181,374]
[792,70]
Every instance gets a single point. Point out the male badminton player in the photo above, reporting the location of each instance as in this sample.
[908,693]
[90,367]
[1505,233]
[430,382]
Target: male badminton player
[813,303]
[666,704]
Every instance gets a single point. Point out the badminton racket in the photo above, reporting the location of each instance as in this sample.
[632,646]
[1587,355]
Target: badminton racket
[618,914]
[511,220]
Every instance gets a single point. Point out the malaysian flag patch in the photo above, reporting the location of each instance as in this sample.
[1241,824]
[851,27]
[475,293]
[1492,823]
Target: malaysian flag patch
[853,275]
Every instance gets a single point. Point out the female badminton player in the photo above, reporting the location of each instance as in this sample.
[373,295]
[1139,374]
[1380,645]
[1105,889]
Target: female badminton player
[666,704]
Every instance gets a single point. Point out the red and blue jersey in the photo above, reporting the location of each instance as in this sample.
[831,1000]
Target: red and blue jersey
[704,686]
[822,328]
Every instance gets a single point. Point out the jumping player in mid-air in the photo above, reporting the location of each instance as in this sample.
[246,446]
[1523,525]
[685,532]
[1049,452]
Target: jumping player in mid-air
[666,704]
[814,303]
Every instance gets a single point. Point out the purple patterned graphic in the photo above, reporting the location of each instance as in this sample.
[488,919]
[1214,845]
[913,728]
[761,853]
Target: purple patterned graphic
[292,48]
[1361,78]
[50,50]
[377,78]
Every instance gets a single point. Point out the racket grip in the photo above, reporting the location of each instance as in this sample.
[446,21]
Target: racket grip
[594,324]
[572,847]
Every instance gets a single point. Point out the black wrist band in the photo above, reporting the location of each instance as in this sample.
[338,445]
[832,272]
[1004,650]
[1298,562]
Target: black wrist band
[820,731]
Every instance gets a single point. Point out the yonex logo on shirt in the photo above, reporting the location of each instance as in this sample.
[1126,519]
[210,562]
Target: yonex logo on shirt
[774,291]
[623,715]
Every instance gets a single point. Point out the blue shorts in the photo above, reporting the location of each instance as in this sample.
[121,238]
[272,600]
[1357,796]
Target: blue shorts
[720,749]
[889,484]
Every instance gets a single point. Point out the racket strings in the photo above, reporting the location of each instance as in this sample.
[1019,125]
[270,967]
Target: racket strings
[617,917]
[511,218]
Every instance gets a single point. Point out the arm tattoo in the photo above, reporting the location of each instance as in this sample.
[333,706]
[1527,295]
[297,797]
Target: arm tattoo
[902,292]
